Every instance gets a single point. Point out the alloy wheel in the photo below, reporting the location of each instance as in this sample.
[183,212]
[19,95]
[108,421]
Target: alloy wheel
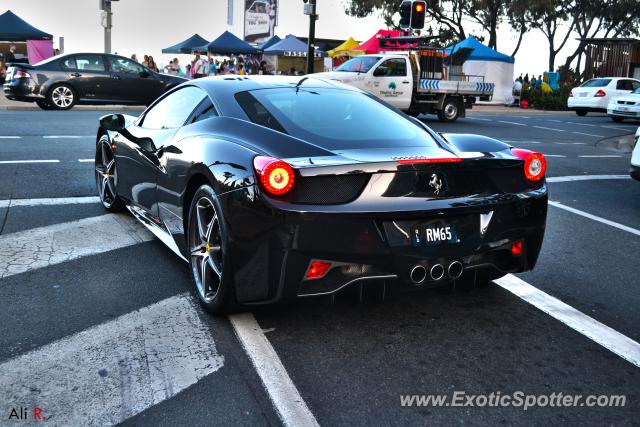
[205,245]
[106,175]
[62,96]
[450,111]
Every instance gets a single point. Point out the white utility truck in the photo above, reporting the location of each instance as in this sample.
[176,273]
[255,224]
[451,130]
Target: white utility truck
[420,81]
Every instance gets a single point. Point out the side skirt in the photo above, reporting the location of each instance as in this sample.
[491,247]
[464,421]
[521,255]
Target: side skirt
[157,228]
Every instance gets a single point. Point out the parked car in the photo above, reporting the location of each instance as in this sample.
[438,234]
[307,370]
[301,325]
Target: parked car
[635,158]
[60,82]
[625,107]
[594,95]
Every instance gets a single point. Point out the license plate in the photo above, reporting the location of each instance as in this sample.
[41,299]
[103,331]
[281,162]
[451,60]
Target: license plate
[582,95]
[432,235]
[623,108]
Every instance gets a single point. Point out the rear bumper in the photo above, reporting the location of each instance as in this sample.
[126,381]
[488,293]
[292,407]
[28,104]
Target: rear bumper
[590,104]
[631,112]
[271,249]
[22,90]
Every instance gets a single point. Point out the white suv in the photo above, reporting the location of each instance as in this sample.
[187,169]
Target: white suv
[595,94]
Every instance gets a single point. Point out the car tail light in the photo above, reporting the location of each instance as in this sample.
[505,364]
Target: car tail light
[19,74]
[535,165]
[276,176]
[317,269]
[600,93]
[516,248]
[425,160]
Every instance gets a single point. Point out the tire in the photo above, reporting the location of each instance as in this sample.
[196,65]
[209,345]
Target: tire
[450,110]
[581,113]
[62,97]
[107,176]
[44,105]
[207,243]
[617,119]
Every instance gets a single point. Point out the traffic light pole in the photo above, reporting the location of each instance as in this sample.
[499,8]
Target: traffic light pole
[107,27]
[311,42]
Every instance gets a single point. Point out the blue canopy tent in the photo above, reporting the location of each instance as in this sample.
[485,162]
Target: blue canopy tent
[228,43]
[290,46]
[496,67]
[480,51]
[273,40]
[14,29]
[187,45]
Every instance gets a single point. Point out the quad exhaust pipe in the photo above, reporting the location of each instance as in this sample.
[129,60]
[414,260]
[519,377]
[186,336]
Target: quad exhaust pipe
[418,273]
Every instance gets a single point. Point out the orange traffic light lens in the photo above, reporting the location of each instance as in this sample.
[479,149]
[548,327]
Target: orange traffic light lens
[419,7]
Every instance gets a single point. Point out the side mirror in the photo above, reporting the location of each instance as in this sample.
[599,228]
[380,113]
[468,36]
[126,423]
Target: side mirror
[113,122]
[146,144]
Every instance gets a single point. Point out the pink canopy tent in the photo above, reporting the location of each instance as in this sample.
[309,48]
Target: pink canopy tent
[39,50]
[373,44]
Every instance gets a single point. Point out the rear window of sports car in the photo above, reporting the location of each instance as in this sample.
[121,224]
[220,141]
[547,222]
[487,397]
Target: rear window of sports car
[333,118]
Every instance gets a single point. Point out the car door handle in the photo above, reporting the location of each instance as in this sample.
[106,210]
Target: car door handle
[406,82]
[76,74]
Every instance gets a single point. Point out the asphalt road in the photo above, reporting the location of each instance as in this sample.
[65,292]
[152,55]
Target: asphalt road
[101,325]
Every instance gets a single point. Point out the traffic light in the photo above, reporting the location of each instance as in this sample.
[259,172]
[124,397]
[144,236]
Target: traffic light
[418,11]
[405,14]
[412,14]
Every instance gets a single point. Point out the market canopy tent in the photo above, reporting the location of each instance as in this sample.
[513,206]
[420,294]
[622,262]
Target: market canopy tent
[228,43]
[373,44]
[291,46]
[496,68]
[346,49]
[273,40]
[14,29]
[186,46]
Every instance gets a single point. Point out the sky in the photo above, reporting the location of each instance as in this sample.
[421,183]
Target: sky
[146,26]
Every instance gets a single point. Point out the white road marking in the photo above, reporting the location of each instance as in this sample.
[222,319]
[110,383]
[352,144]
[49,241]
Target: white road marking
[598,156]
[478,118]
[9,137]
[596,218]
[607,337]
[86,160]
[630,129]
[588,134]
[284,395]
[572,178]
[48,202]
[111,372]
[554,155]
[555,121]
[67,136]
[40,247]
[546,128]
[8,162]
[512,123]
[582,124]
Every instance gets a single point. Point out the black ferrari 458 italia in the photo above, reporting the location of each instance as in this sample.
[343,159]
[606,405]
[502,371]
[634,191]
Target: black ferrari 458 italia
[274,188]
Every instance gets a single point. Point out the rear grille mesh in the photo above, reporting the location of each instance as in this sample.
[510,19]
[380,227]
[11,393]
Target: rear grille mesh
[328,190]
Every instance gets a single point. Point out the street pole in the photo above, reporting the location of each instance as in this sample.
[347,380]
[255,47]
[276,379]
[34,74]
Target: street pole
[310,9]
[107,27]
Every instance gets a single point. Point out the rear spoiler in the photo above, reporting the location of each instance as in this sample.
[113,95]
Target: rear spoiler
[21,64]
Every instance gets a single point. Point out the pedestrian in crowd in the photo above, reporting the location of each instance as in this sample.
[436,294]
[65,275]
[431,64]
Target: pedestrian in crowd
[533,81]
[198,68]
[263,68]
[10,56]
[3,72]
[176,67]
[152,64]
[526,78]
[134,58]
[146,61]
[540,80]
[187,73]
[56,52]
[519,79]
[168,69]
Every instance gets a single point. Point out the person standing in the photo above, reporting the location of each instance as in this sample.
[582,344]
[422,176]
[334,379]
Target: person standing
[198,68]
[146,61]
[152,64]
[10,56]
[134,58]
[3,72]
